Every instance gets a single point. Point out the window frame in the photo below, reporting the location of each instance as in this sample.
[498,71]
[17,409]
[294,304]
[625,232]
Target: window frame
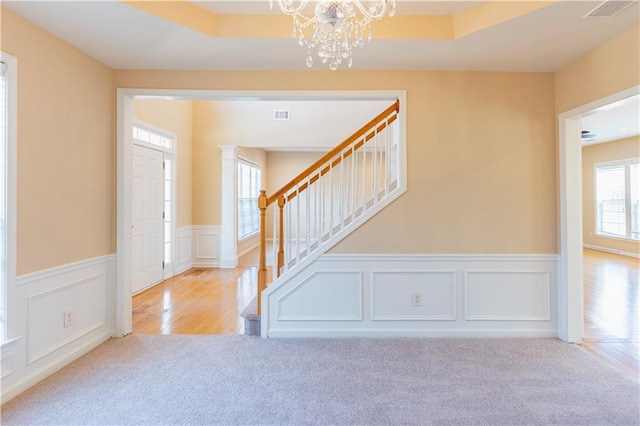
[258,188]
[11,73]
[626,163]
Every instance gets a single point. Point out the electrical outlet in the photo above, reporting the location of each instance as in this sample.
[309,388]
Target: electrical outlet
[67,318]
[416,299]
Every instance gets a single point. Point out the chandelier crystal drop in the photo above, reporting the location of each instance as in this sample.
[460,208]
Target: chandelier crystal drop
[338,26]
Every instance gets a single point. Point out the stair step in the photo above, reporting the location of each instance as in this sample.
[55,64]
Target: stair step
[251,318]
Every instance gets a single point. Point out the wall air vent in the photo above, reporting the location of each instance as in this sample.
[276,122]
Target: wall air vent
[281,114]
[609,8]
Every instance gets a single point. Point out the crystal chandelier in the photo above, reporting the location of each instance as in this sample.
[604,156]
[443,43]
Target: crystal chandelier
[337,26]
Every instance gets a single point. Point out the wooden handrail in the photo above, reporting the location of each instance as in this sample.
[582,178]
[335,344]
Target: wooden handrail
[329,155]
[282,198]
[337,161]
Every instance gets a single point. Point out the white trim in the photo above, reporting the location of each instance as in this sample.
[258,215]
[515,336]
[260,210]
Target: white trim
[52,273]
[124,121]
[613,251]
[12,192]
[410,332]
[532,271]
[229,206]
[613,237]
[246,251]
[570,294]
[348,257]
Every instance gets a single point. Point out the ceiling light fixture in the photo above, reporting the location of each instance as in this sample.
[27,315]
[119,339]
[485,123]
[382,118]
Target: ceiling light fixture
[338,26]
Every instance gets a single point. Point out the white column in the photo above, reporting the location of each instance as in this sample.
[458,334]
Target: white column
[229,202]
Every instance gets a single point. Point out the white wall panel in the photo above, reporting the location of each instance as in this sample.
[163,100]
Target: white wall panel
[392,291]
[335,295]
[515,296]
[86,302]
[42,343]
[183,246]
[206,246]
[497,296]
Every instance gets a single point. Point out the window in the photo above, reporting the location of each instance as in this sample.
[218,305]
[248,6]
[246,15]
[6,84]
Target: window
[3,202]
[154,138]
[248,192]
[618,199]
[8,136]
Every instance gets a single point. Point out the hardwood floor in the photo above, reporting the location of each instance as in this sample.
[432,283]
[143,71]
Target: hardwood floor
[611,310]
[199,301]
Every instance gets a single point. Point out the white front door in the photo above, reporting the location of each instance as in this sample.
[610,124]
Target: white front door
[148,241]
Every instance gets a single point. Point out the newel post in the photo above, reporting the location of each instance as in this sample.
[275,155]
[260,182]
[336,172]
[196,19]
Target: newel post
[280,262]
[262,270]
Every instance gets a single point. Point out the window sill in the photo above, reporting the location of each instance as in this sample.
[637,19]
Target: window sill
[613,237]
[248,237]
[7,343]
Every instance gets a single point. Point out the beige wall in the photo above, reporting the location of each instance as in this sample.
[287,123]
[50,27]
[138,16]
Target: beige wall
[481,155]
[616,150]
[284,166]
[175,117]
[259,157]
[207,177]
[607,69]
[66,149]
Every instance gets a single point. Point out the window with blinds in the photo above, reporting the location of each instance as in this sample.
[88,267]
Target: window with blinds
[3,201]
[618,199]
[248,192]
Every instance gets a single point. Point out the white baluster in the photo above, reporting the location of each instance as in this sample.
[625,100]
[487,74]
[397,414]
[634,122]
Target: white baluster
[341,185]
[297,224]
[307,196]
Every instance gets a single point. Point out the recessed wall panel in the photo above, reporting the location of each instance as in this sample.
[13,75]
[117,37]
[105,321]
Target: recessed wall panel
[515,296]
[393,295]
[324,296]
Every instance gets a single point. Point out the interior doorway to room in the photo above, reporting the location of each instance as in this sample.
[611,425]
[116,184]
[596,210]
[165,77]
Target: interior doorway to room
[611,232]
[570,284]
[202,247]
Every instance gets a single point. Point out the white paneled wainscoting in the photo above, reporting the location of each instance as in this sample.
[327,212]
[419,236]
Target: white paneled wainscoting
[61,313]
[416,295]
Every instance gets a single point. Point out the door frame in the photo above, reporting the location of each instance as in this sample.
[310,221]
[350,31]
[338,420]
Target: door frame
[124,143]
[171,155]
[570,281]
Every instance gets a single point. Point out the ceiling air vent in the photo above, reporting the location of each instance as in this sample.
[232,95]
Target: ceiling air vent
[281,114]
[609,8]
[588,136]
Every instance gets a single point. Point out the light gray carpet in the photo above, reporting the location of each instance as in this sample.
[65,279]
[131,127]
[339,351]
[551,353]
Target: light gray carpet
[248,380]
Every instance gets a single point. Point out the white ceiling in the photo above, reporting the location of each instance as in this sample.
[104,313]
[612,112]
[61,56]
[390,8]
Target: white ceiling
[616,121]
[404,7]
[123,37]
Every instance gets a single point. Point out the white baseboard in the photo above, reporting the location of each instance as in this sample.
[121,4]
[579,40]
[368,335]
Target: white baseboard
[608,250]
[247,251]
[466,295]
[16,388]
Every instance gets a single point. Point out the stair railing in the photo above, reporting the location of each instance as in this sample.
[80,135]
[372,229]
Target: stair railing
[330,195]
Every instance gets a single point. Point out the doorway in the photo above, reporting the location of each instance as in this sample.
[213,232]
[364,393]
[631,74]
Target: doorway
[153,207]
[570,289]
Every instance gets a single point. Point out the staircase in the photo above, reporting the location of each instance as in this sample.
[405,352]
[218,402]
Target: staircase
[328,201]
